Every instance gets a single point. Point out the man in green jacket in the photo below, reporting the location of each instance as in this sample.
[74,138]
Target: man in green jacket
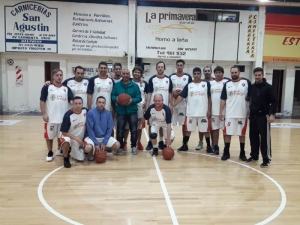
[127,113]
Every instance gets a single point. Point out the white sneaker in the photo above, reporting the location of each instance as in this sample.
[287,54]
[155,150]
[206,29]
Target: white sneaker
[200,145]
[59,152]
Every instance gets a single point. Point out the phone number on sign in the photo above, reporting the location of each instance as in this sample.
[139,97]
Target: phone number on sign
[170,53]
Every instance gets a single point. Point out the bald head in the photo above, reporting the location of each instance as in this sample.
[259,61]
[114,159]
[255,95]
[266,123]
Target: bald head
[125,75]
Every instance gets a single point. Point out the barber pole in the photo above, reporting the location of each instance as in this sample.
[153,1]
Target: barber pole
[19,76]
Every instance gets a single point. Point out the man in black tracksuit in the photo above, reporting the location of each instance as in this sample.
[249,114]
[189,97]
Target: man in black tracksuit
[263,106]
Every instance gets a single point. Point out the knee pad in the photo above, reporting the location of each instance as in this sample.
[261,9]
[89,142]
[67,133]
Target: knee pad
[153,135]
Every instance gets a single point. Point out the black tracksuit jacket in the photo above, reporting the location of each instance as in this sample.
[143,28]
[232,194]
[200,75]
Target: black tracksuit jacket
[263,100]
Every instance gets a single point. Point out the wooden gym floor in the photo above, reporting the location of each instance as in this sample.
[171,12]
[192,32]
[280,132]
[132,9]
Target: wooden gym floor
[193,188]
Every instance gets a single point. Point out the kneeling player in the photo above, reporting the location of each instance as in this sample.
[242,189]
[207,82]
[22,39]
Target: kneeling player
[159,116]
[73,129]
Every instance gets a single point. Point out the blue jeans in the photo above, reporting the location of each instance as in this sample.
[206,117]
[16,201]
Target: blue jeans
[132,120]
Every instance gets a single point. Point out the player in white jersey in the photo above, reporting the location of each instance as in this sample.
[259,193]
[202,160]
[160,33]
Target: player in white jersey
[143,85]
[179,81]
[73,129]
[100,85]
[78,84]
[117,72]
[198,109]
[216,87]
[159,84]
[54,103]
[160,117]
[235,96]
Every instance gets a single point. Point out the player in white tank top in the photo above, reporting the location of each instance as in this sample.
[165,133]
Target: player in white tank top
[235,97]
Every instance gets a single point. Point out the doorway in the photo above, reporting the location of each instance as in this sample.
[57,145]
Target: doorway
[49,67]
[277,83]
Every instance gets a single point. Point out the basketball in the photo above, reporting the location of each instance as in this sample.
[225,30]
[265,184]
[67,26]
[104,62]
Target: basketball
[123,99]
[168,153]
[100,157]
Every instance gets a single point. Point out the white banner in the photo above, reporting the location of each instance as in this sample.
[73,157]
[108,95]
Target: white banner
[64,28]
[173,33]
[30,27]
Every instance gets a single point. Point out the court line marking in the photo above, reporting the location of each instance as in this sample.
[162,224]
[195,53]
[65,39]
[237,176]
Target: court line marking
[17,114]
[46,205]
[281,190]
[163,186]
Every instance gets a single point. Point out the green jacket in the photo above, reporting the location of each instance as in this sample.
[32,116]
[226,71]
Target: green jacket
[131,89]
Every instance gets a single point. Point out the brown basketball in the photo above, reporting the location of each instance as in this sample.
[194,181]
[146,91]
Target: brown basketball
[100,157]
[168,153]
[123,99]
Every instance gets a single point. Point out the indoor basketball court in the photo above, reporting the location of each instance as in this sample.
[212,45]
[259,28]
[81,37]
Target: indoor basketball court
[192,188]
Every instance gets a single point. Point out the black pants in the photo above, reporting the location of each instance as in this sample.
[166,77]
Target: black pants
[132,120]
[260,137]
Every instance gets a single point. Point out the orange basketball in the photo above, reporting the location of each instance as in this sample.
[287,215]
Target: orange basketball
[168,153]
[123,99]
[100,157]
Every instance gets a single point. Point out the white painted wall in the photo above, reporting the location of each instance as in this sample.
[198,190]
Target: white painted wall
[26,97]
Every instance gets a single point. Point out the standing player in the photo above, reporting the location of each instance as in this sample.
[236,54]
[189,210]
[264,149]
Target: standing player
[159,84]
[54,104]
[235,96]
[100,85]
[207,76]
[160,117]
[198,108]
[73,130]
[117,72]
[78,84]
[127,113]
[179,81]
[216,90]
[143,85]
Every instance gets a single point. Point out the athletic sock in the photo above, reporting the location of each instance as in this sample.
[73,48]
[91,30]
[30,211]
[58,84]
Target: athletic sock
[227,146]
[161,138]
[155,146]
[207,141]
[242,148]
[186,139]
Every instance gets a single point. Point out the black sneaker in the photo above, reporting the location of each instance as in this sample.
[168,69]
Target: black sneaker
[243,158]
[209,150]
[149,146]
[265,164]
[67,163]
[161,145]
[183,148]
[216,150]
[251,159]
[225,156]
[154,152]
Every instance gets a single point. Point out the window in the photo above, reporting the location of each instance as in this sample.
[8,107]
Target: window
[218,16]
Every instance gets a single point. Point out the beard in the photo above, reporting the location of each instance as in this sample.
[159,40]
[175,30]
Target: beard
[234,77]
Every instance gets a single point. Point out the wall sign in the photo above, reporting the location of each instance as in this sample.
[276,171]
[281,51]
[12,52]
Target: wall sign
[30,27]
[251,35]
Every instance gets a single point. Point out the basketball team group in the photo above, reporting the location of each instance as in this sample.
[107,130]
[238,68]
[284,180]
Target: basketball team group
[83,114]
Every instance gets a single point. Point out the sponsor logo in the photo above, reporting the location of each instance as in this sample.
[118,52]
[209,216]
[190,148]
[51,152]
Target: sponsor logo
[184,79]
[203,121]
[243,84]
[228,124]
[51,127]
[98,89]
[53,97]
[240,122]
[85,84]
[203,85]
[190,121]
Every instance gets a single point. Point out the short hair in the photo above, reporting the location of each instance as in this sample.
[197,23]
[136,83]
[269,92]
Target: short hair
[235,67]
[180,61]
[56,71]
[102,63]
[197,69]
[158,94]
[102,98]
[138,68]
[258,69]
[219,69]
[117,64]
[207,67]
[159,63]
[78,67]
[78,97]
